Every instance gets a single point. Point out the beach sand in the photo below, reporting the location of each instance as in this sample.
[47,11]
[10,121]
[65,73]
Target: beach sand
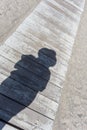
[72,112]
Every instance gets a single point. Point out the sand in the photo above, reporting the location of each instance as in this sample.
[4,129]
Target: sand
[72,113]
[12,13]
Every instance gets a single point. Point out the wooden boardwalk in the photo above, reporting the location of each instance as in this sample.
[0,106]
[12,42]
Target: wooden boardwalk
[33,64]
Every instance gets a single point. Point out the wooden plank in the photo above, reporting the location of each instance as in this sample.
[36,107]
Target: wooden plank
[33,40]
[78,4]
[27,97]
[41,21]
[4,126]
[54,14]
[51,91]
[18,115]
[46,37]
[56,33]
[57,19]
[15,56]
[24,48]
[23,36]
[66,8]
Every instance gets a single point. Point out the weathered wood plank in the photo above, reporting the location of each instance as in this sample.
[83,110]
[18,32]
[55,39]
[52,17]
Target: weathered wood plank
[70,10]
[24,48]
[77,4]
[51,91]
[6,126]
[54,34]
[15,56]
[28,97]
[58,17]
[33,39]
[66,6]
[18,115]
[23,36]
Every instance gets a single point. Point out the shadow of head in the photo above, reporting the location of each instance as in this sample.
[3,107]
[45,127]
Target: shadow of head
[48,56]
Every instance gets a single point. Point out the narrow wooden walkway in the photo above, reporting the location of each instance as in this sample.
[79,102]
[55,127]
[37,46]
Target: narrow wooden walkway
[33,63]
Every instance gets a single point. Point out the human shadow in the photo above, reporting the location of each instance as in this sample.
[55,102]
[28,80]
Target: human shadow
[30,77]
